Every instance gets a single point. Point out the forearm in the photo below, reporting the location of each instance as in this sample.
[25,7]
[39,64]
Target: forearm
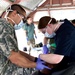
[25,33]
[26,63]
[31,58]
[45,40]
[34,33]
[20,60]
[51,58]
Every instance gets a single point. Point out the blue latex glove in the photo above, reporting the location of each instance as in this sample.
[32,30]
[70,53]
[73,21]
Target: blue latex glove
[35,36]
[27,38]
[40,65]
[38,60]
[45,49]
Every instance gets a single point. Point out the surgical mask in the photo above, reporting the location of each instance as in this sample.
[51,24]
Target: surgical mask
[50,35]
[20,25]
[16,26]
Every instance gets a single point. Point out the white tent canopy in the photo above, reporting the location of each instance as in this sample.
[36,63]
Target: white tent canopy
[29,5]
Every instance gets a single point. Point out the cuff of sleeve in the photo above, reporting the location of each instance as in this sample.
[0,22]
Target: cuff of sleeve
[35,59]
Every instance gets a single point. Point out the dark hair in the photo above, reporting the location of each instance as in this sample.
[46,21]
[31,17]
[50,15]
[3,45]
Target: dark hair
[44,21]
[28,17]
[18,8]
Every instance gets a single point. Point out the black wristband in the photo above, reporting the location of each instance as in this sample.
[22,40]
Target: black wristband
[35,59]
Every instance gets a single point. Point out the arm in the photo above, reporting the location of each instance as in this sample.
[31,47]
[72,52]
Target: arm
[45,41]
[25,32]
[10,50]
[25,28]
[20,60]
[26,35]
[34,32]
[51,58]
[45,49]
[27,56]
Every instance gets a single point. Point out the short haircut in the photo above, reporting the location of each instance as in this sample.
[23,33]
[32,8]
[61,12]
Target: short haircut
[18,8]
[44,21]
[28,17]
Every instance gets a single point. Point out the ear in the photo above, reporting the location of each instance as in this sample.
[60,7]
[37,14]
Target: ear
[51,25]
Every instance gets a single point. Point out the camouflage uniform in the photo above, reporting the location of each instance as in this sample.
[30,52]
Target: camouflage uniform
[7,43]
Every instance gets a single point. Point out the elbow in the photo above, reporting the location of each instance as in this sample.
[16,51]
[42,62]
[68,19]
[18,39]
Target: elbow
[58,59]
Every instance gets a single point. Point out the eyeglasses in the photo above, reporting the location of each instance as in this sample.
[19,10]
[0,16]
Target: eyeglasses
[23,17]
[20,14]
[7,12]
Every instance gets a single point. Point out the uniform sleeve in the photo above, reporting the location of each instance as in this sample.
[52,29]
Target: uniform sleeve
[7,41]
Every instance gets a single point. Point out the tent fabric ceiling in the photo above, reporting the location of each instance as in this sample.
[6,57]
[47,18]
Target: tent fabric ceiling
[3,5]
[32,5]
[27,4]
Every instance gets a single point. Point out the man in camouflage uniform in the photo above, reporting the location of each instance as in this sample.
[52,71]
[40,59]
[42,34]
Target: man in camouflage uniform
[10,57]
[7,43]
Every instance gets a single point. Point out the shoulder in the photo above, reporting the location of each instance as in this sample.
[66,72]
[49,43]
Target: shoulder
[5,26]
[24,26]
[67,22]
[3,23]
[67,26]
[32,25]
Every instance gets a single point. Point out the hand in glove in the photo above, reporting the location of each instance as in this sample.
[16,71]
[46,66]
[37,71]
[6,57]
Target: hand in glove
[45,49]
[35,36]
[40,65]
[27,38]
[39,60]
